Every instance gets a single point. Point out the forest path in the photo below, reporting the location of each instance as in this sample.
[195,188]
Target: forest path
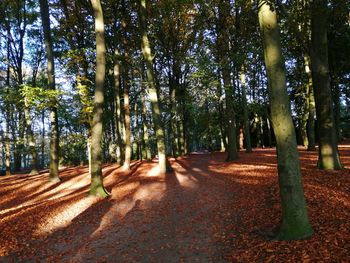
[206,210]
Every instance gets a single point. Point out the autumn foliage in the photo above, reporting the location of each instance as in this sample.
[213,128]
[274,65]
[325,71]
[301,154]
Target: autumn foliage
[205,210]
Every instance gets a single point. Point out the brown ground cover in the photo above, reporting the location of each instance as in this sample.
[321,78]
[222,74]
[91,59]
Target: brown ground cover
[207,210]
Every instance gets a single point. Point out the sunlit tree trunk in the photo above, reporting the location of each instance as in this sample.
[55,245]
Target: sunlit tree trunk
[328,157]
[248,145]
[147,54]
[7,116]
[295,223]
[116,75]
[43,139]
[127,125]
[147,149]
[54,140]
[31,139]
[97,188]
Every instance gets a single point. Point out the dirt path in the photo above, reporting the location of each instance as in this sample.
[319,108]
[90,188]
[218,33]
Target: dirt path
[205,211]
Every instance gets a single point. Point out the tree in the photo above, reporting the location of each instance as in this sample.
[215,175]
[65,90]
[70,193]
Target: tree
[246,125]
[223,53]
[54,140]
[328,156]
[97,188]
[295,223]
[156,114]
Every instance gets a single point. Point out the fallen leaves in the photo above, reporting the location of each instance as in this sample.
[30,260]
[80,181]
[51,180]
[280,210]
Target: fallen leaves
[206,210]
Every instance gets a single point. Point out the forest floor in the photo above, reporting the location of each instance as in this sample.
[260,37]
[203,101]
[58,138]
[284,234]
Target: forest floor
[206,210]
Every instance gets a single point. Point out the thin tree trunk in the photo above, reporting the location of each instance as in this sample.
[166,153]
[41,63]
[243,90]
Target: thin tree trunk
[127,127]
[31,139]
[43,140]
[295,224]
[248,145]
[146,51]
[311,107]
[54,140]
[97,188]
[7,117]
[223,52]
[145,128]
[336,100]
[328,157]
[116,74]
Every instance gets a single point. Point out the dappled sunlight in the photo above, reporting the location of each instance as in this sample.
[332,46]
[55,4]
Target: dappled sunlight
[140,196]
[64,215]
[154,171]
[183,177]
[203,200]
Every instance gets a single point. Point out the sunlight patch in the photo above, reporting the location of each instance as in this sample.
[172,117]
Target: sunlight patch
[64,217]
[186,180]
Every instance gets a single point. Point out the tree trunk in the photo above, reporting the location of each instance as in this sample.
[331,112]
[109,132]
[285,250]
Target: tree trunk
[145,129]
[7,116]
[116,75]
[248,145]
[336,100]
[31,139]
[328,157]
[127,127]
[54,140]
[223,52]
[295,223]
[311,107]
[146,51]
[97,188]
[43,140]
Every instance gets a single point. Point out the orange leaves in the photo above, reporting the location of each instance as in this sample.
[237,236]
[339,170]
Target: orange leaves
[229,214]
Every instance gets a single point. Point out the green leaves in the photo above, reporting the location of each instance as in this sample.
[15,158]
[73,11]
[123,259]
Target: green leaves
[39,98]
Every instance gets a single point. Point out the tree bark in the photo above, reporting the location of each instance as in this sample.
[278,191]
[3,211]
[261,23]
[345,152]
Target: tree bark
[311,138]
[7,116]
[223,52]
[145,129]
[328,157]
[116,75]
[31,139]
[54,139]
[97,188]
[248,145]
[127,127]
[295,224]
[147,54]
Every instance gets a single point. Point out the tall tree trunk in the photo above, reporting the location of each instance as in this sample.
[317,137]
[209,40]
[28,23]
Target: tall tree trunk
[7,116]
[295,224]
[173,117]
[328,157]
[147,54]
[127,127]
[269,135]
[31,139]
[54,139]
[97,188]
[311,107]
[223,52]
[116,75]
[19,149]
[43,139]
[145,128]
[336,100]
[248,145]
[7,147]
